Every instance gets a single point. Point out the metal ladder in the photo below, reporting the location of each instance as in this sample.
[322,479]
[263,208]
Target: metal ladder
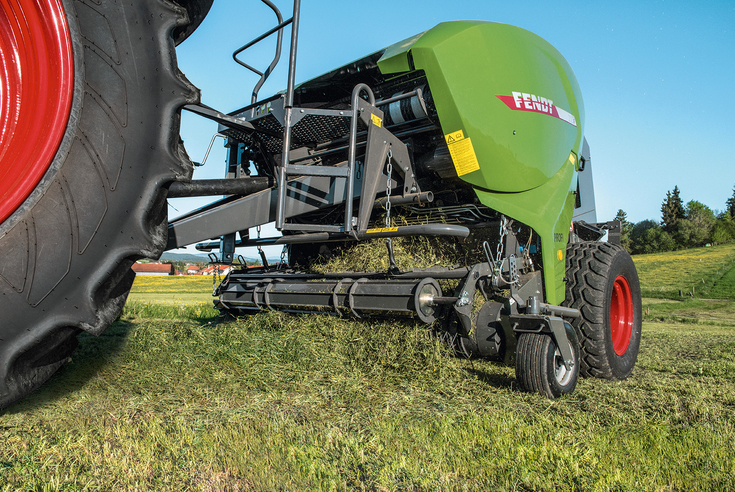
[292,115]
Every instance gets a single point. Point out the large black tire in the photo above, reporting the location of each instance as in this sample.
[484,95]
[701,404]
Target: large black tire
[540,367]
[602,283]
[66,252]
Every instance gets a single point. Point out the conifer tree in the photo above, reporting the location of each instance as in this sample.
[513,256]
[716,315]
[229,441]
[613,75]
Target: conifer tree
[730,205]
[625,229]
[672,211]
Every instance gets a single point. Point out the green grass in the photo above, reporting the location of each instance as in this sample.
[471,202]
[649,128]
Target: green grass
[167,399]
[696,311]
[181,284]
[287,402]
[724,287]
[691,272]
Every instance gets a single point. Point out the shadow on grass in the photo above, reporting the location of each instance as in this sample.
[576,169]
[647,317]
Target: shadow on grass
[90,357]
[496,380]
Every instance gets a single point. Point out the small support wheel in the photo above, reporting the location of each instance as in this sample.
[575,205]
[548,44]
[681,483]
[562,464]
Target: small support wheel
[540,366]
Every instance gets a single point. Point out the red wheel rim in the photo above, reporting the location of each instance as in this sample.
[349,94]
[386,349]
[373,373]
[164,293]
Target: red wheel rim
[621,315]
[36,87]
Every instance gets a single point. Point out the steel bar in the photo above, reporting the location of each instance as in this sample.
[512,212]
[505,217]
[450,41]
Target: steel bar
[410,199]
[212,187]
[324,237]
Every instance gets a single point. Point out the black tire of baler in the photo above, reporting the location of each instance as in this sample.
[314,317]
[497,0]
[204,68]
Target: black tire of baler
[592,268]
[66,253]
[535,364]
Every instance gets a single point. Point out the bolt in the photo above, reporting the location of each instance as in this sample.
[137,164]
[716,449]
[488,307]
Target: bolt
[465,299]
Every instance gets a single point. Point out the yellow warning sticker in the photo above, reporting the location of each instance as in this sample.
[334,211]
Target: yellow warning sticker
[376,120]
[383,229]
[462,152]
[454,137]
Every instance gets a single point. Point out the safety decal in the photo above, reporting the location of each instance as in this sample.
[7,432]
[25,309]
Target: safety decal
[377,121]
[522,101]
[462,152]
[382,229]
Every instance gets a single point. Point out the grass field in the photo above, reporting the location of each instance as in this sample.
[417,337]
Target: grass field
[167,399]
[704,272]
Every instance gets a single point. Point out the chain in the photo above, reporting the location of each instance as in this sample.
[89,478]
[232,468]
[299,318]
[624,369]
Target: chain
[284,251]
[215,277]
[503,233]
[389,169]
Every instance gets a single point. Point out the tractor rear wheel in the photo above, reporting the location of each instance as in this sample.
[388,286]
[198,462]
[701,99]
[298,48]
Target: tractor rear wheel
[602,283]
[90,99]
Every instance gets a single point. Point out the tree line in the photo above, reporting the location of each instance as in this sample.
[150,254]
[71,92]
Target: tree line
[681,226]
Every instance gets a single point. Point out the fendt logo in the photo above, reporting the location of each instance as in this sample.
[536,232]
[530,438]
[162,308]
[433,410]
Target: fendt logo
[522,101]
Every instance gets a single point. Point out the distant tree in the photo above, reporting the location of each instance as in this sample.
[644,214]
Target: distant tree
[625,229]
[697,225]
[672,211]
[723,230]
[730,205]
[656,240]
[638,242]
[179,265]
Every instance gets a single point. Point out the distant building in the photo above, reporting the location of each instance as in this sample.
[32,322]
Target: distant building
[220,270]
[153,268]
[192,270]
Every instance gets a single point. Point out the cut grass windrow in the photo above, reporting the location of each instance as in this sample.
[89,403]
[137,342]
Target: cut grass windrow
[296,402]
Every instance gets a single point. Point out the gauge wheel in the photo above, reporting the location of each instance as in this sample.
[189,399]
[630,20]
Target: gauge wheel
[540,366]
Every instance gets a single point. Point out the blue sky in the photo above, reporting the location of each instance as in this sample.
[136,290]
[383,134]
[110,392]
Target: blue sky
[657,78]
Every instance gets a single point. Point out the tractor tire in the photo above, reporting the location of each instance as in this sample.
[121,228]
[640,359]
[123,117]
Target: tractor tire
[98,202]
[540,367]
[602,283]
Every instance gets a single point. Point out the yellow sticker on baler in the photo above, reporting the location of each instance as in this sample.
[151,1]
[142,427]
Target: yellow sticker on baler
[376,120]
[462,152]
[382,229]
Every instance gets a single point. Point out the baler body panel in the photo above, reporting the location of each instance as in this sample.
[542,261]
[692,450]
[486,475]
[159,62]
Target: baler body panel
[473,67]
[516,99]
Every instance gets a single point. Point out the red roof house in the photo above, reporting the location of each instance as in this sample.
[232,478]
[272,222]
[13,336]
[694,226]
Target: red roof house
[153,268]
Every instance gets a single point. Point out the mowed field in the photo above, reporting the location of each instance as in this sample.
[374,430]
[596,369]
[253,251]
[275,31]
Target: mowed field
[167,399]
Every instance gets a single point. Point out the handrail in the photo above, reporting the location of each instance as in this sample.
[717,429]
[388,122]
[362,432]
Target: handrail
[279,28]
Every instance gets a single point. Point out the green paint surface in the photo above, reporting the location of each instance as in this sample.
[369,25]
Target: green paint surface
[525,169]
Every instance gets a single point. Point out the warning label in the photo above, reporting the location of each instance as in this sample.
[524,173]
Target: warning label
[384,229]
[462,152]
[376,120]
[454,137]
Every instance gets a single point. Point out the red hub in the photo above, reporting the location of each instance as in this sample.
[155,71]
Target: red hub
[621,315]
[36,87]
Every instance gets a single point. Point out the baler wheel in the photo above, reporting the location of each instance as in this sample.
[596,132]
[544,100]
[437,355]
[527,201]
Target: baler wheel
[90,98]
[602,283]
[540,367]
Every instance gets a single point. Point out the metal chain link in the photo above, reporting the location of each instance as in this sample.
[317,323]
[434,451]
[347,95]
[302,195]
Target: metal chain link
[215,278]
[503,233]
[260,249]
[389,169]
[284,251]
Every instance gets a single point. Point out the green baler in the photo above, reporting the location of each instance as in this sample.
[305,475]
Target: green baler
[471,132]
[516,101]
